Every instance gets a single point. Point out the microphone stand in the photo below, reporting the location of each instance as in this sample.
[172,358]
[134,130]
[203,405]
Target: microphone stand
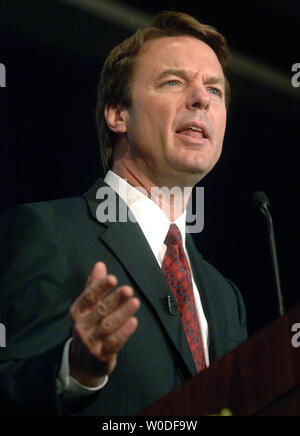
[264,209]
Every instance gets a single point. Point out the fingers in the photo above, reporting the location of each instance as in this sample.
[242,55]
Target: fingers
[102,323]
[94,351]
[101,359]
[107,305]
[98,284]
[115,341]
[114,319]
[108,316]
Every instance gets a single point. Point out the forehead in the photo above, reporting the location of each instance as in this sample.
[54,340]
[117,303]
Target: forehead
[182,52]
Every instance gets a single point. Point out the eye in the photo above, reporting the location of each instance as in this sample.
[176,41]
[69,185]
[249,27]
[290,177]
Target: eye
[215,91]
[173,83]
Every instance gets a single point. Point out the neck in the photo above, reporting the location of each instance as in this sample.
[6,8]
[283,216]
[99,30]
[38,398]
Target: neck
[170,198]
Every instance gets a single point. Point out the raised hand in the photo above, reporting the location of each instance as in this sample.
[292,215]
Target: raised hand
[102,322]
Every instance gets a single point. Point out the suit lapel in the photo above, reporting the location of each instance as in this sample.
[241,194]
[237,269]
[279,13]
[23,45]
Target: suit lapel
[212,303]
[143,268]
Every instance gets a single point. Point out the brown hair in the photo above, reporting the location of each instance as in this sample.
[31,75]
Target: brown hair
[118,70]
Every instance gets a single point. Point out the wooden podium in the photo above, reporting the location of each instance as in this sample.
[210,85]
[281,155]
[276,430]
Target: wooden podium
[260,377]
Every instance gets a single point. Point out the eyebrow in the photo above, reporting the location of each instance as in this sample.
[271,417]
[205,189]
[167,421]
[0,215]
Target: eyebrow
[216,80]
[170,72]
[183,73]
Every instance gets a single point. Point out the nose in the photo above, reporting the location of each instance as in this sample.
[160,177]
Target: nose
[198,98]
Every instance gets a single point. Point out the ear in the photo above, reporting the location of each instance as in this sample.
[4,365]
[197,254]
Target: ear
[116,117]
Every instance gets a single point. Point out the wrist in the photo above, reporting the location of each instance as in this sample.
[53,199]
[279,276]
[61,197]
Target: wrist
[84,375]
[86,380]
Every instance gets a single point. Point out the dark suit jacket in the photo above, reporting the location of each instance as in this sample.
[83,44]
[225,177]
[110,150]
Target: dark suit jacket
[47,251]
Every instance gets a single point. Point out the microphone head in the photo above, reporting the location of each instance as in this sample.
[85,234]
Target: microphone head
[260,199]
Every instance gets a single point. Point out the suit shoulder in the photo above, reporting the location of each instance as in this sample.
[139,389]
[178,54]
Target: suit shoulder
[42,220]
[45,209]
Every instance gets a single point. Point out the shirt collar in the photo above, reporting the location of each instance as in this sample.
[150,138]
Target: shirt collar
[150,217]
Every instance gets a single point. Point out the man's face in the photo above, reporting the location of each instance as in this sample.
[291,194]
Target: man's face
[177,120]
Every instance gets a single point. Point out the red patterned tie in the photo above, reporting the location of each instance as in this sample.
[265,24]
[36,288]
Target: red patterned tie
[177,272]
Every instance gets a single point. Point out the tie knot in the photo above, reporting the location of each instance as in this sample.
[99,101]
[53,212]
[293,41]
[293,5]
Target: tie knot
[173,237]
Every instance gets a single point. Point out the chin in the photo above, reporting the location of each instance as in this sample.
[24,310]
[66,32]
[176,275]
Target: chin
[188,176]
[194,166]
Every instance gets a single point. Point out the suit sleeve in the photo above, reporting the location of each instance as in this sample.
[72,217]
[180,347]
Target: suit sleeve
[34,305]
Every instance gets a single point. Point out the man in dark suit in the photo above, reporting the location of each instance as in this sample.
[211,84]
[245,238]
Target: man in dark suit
[92,323]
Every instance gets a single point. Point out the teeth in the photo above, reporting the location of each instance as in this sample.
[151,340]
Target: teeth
[198,129]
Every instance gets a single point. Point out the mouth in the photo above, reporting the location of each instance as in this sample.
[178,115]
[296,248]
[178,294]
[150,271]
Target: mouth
[193,132]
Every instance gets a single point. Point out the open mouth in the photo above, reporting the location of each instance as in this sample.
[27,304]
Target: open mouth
[192,131]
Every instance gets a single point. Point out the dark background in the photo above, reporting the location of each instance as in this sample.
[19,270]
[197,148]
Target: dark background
[53,52]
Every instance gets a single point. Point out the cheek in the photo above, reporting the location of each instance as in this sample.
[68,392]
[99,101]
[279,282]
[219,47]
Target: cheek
[145,128]
[152,118]
[157,124]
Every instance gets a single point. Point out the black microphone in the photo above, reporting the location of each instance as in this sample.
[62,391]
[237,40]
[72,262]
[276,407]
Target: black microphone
[261,201]
[171,305]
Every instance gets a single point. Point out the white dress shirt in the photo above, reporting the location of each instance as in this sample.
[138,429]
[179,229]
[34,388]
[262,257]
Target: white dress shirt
[155,224]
